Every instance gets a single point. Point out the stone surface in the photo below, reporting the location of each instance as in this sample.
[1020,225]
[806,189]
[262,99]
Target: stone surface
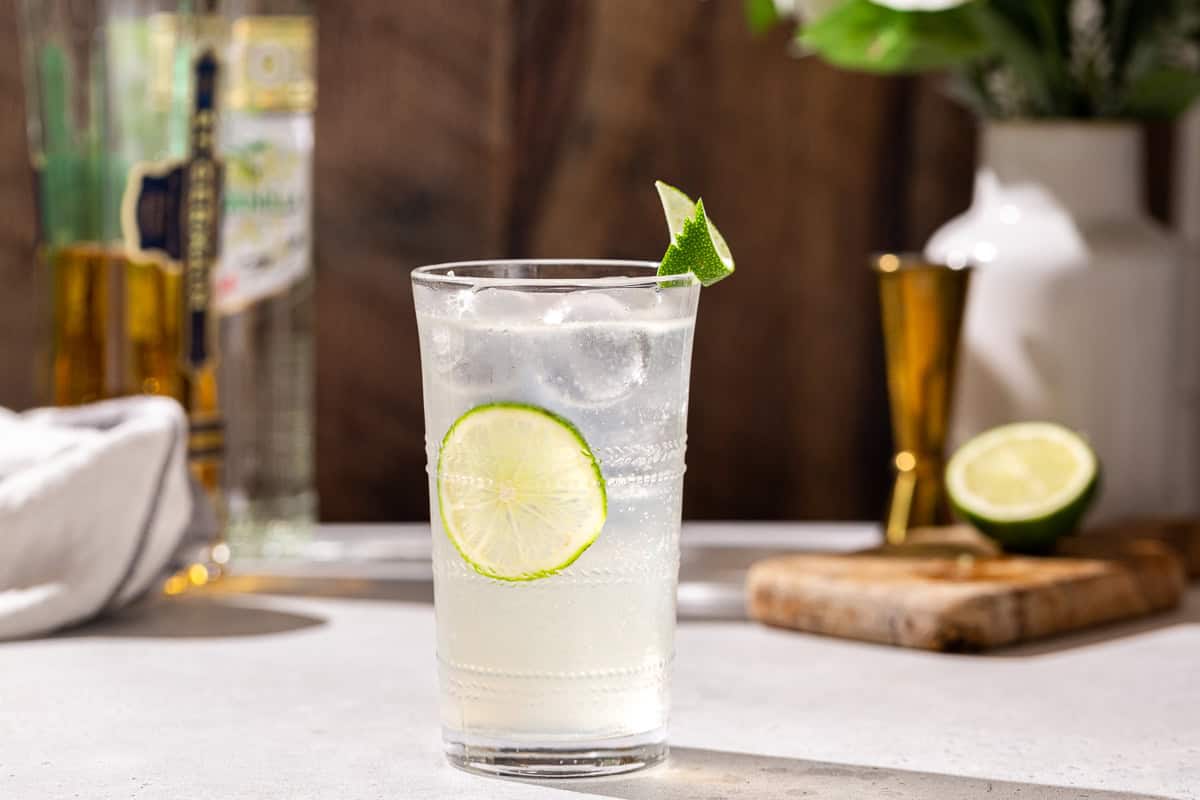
[229,696]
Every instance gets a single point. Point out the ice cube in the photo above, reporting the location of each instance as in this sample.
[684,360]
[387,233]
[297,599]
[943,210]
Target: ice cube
[504,306]
[596,364]
[643,302]
[468,354]
[592,306]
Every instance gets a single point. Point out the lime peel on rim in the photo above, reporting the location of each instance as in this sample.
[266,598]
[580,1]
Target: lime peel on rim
[696,244]
[1024,484]
[520,493]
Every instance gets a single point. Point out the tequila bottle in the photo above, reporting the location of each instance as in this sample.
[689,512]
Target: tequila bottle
[123,101]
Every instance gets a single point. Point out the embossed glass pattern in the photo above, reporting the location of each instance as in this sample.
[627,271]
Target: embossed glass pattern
[566,674]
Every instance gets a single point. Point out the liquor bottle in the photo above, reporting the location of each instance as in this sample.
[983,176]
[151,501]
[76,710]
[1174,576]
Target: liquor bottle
[122,102]
[170,221]
[264,284]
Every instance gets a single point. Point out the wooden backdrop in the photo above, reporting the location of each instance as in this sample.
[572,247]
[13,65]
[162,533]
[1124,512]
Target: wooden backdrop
[494,128]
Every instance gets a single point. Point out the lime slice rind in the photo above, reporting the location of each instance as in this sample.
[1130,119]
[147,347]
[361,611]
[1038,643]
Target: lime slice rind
[1024,484]
[677,207]
[993,442]
[520,494]
[696,244]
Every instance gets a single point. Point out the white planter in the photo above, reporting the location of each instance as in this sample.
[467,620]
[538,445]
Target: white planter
[1078,308]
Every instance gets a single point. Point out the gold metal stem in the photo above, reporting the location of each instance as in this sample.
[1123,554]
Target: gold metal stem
[922,306]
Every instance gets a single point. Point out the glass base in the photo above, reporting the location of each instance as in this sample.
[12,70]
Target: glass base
[583,759]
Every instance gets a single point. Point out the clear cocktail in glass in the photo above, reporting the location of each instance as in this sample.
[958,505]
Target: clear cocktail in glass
[566,672]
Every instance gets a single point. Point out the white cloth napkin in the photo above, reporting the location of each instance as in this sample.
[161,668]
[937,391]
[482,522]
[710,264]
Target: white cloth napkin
[94,501]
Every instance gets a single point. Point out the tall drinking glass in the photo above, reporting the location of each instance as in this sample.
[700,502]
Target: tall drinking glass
[562,669]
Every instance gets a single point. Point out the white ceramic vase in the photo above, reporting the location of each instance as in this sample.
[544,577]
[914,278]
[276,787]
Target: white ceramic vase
[1080,309]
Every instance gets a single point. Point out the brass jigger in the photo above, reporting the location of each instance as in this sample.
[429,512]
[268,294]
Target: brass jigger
[922,305]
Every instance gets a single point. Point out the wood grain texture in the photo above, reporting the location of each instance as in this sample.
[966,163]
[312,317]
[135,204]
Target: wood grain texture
[944,139]
[934,602]
[1180,534]
[787,414]
[534,128]
[21,303]
[412,168]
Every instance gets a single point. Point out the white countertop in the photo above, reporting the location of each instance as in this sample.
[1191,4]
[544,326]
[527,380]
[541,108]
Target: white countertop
[233,696]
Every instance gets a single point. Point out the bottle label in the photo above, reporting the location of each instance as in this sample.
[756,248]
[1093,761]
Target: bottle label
[267,233]
[271,64]
[267,141]
[171,214]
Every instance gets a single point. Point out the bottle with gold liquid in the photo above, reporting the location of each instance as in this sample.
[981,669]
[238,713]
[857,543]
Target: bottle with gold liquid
[123,100]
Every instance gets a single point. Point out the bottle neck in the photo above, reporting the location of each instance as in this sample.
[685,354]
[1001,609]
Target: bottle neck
[1091,169]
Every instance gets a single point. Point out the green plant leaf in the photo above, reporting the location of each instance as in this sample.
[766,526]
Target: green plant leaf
[966,86]
[1118,14]
[1050,44]
[1134,24]
[1018,52]
[862,35]
[1164,92]
[761,15]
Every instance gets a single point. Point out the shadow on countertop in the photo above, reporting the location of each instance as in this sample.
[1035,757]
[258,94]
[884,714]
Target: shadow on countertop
[199,616]
[1187,613]
[696,774]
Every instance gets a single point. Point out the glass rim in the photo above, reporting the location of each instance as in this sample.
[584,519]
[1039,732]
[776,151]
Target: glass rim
[436,274]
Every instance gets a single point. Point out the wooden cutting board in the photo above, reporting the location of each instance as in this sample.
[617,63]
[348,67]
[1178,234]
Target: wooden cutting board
[1182,535]
[949,590]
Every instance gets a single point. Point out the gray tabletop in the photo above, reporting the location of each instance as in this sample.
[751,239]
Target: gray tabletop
[317,681]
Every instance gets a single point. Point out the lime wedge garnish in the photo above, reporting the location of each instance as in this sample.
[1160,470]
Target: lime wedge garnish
[696,244]
[520,493]
[1024,484]
[677,207]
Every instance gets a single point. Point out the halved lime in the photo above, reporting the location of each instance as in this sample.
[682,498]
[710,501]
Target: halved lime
[1024,484]
[520,493]
[696,244]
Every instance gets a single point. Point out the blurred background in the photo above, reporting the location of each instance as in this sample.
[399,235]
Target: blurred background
[534,128]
